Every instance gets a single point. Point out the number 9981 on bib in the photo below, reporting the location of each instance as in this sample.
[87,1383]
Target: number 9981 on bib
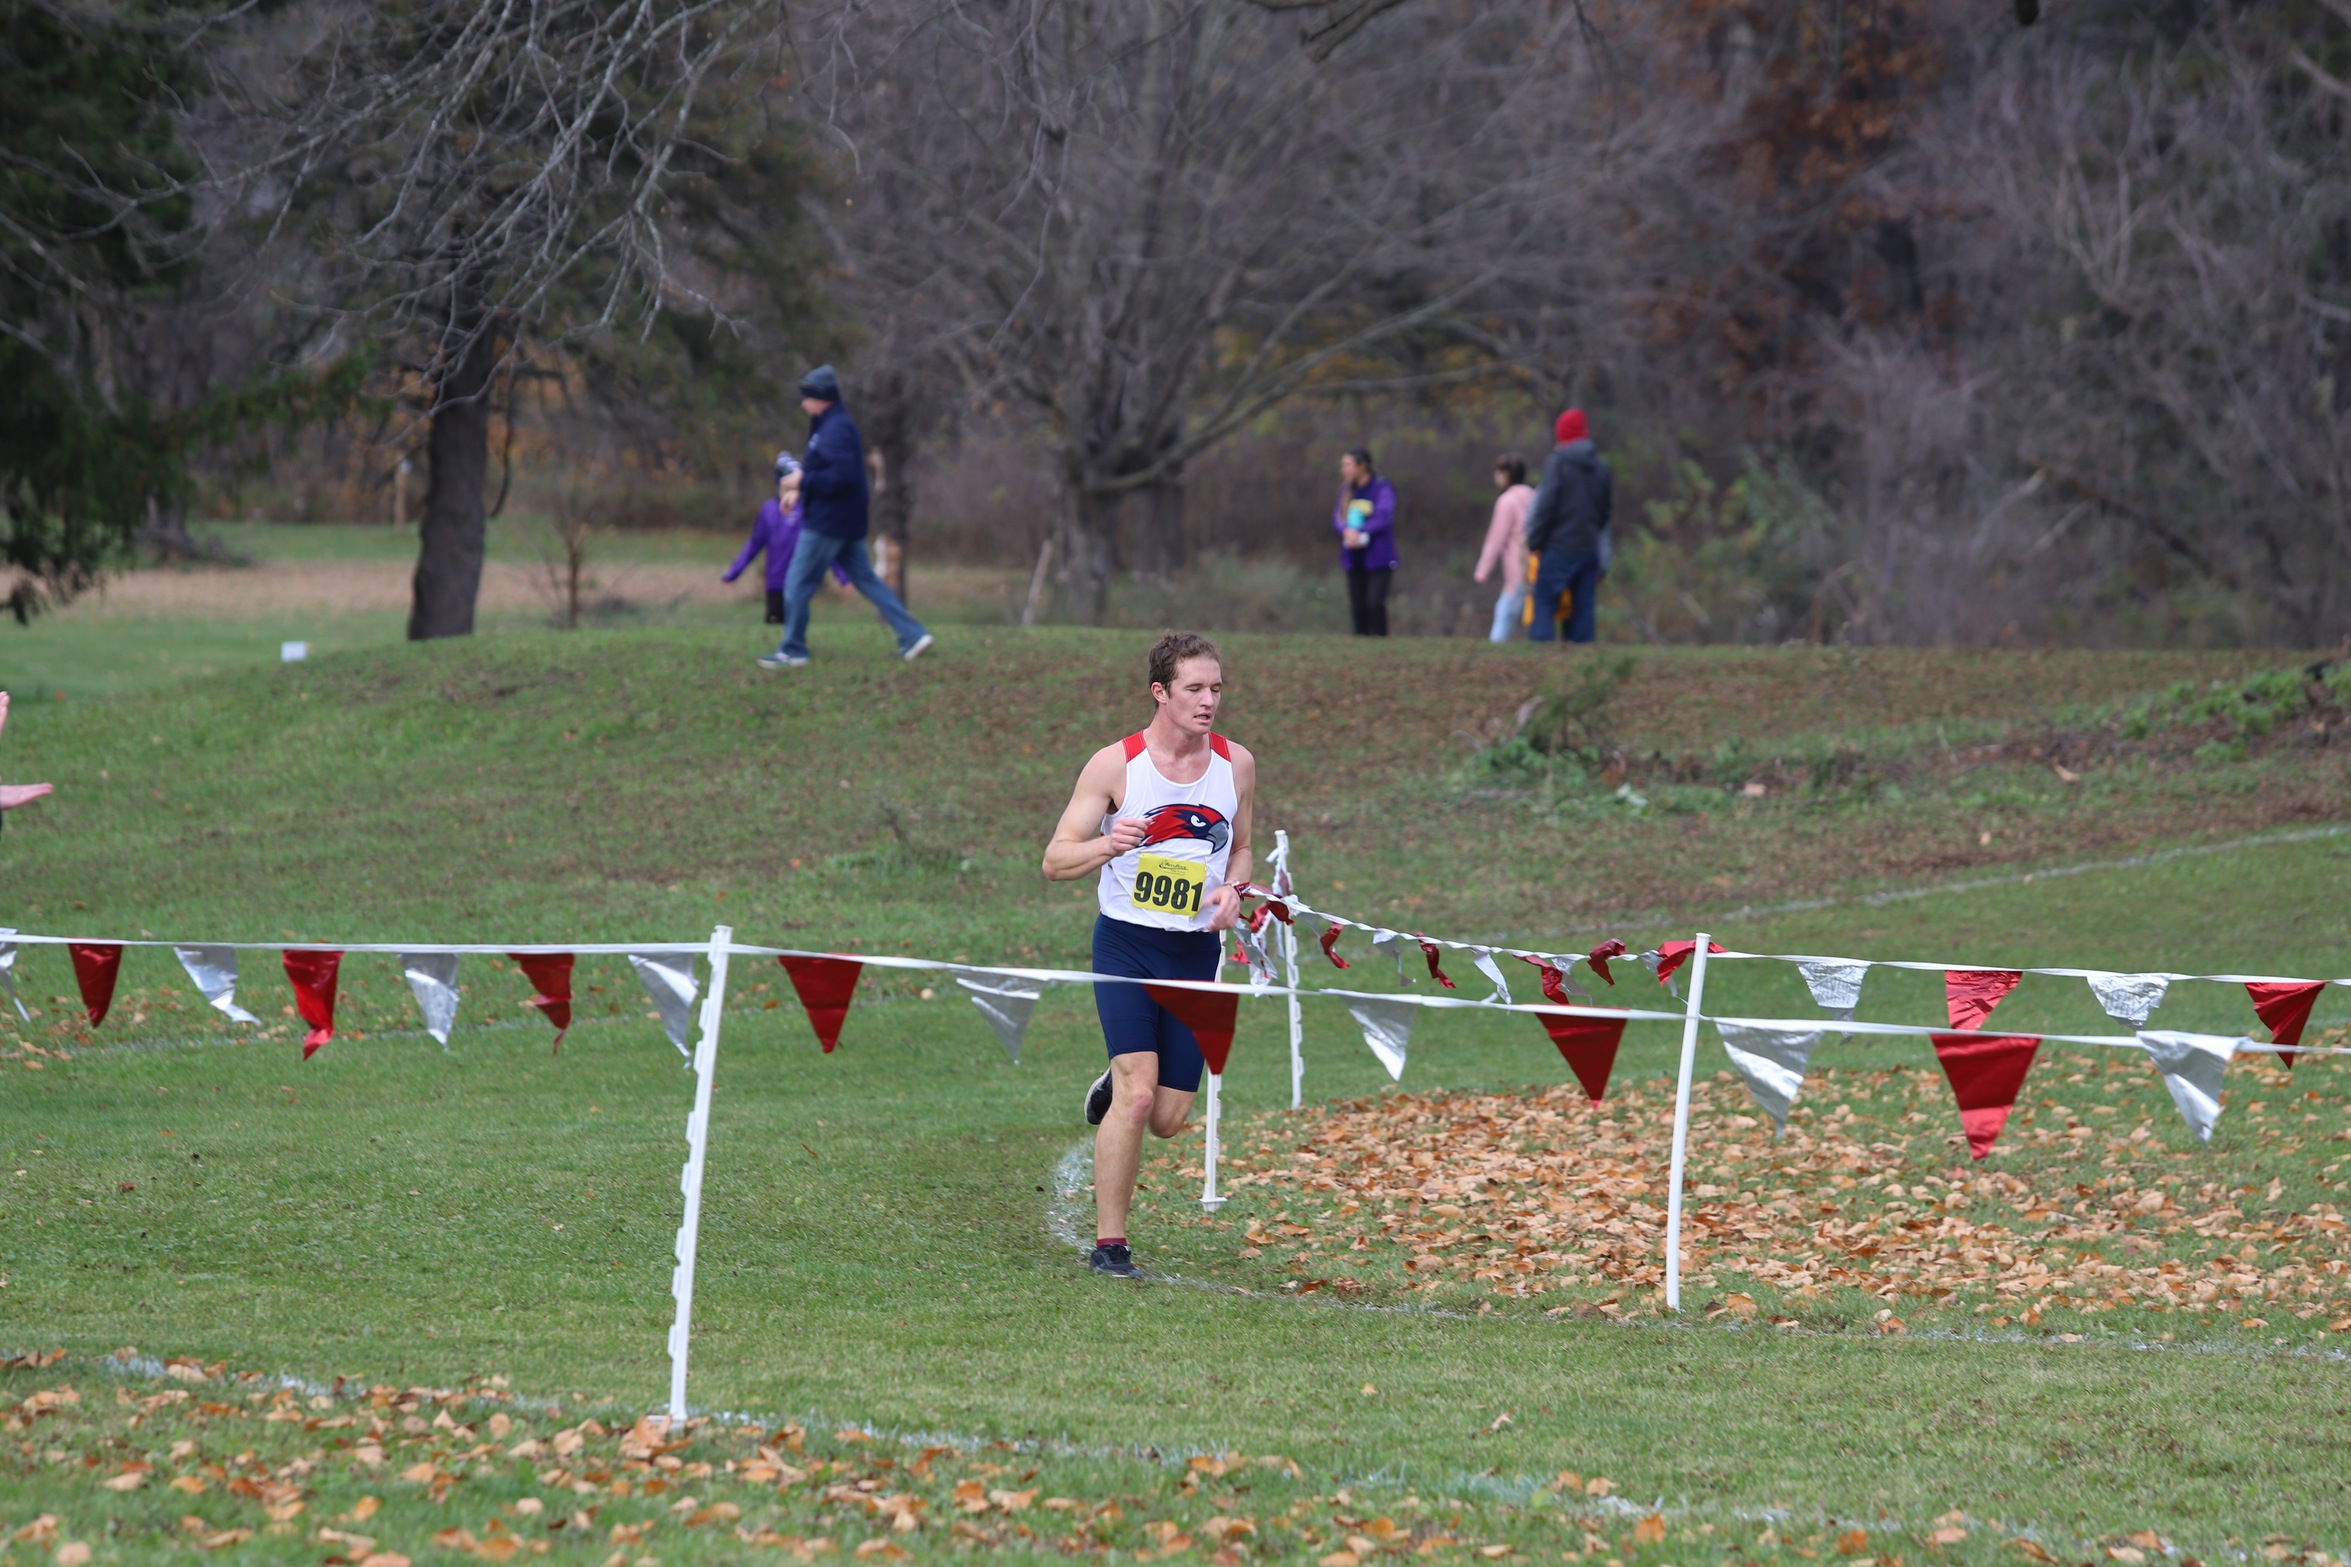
[1169,885]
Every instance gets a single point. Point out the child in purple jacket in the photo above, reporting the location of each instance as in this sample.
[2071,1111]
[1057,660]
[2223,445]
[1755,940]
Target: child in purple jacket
[776,531]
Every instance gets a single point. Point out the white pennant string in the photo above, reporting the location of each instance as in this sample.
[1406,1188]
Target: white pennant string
[1484,959]
[1835,986]
[213,970]
[2192,1066]
[2128,998]
[432,979]
[1772,1061]
[668,978]
[1006,1003]
[1387,1029]
[8,972]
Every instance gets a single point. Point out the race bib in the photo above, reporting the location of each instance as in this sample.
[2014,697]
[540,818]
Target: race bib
[1168,885]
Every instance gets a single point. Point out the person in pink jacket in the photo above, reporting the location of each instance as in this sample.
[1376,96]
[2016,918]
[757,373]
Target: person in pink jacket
[1506,544]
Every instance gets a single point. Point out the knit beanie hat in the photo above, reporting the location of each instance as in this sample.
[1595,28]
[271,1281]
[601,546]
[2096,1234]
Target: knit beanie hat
[1569,426]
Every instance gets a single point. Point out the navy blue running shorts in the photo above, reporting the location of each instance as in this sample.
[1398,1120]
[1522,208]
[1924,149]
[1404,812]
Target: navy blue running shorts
[1131,1021]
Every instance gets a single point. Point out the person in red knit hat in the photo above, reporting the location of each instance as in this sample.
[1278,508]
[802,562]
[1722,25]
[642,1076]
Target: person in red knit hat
[1567,528]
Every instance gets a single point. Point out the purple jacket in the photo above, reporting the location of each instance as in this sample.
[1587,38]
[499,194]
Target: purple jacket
[1380,553]
[777,532]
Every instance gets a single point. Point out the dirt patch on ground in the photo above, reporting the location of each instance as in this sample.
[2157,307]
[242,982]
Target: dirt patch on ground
[367,587]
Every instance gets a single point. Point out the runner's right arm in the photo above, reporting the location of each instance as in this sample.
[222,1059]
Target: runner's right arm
[1079,847]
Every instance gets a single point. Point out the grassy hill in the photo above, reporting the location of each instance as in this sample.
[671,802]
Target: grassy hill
[880,1238]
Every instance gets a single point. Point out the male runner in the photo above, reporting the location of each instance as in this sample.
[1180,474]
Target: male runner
[1163,816]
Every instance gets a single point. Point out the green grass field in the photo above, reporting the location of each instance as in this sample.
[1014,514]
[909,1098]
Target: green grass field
[879,1247]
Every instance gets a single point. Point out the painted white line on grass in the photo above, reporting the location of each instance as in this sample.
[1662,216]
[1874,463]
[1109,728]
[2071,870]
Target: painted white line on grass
[2020,878]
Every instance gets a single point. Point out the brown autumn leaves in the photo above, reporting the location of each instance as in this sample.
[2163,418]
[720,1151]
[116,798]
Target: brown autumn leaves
[1866,1212]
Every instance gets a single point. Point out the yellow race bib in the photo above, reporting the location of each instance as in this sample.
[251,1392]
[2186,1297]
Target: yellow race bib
[1168,885]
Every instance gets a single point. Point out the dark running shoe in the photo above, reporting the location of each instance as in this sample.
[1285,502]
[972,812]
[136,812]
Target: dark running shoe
[1098,1099]
[1114,1261]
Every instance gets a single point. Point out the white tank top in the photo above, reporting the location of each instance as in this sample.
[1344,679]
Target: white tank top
[1166,882]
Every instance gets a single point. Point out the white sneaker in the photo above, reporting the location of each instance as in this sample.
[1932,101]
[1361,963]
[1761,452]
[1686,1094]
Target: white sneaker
[919,648]
[781,661]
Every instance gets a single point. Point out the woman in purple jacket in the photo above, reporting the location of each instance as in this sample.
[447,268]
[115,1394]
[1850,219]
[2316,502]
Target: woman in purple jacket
[1365,521]
[776,531]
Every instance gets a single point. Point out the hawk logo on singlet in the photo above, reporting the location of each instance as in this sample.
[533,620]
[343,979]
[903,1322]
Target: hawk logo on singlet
[1168,822]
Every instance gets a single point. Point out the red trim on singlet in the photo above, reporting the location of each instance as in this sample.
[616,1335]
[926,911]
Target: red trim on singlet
[1216,742]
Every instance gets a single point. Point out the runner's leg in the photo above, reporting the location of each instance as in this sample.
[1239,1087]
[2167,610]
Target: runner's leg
[1118,1142]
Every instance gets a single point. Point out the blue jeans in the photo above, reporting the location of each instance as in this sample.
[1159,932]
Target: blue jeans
[1576,574]
[811,559]
[1506,612]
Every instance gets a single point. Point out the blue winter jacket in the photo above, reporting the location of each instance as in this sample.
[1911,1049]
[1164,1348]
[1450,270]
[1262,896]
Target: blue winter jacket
[833,494]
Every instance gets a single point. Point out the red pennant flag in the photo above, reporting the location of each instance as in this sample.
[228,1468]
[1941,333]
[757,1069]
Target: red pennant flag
[1554,982]
[1986,1076]
[825,986]
[550,977]
[1972,993]
[1330,939]
[2285,1011]
[1209,1014]
[1428,950]
[95,966]
[1588,1044]
[1672,955]
[312,975]
[1598,957]
[1279,910]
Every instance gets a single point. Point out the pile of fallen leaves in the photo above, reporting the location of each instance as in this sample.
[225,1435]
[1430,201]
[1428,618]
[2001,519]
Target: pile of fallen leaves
[1865,1208]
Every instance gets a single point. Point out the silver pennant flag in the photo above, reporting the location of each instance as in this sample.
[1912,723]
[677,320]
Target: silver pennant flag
[1387,1029]
[1835,985]
[432,979]
[1006,1003]
[1391,944]
[2192,1066]
[213,970]
[1253,948]
[1653,960]
[1484,959]
[668,978]
[8,972]
[1772,1060]
[2128,998]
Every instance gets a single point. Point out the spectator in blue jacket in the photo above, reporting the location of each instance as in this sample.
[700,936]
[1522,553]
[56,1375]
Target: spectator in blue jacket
[1365,521]
[1567,527]
[833,498]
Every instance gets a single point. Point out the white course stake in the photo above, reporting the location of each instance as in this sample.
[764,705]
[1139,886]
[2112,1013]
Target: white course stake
[681,1281]
[1288,936]
[1210,1198]
[1681,1128]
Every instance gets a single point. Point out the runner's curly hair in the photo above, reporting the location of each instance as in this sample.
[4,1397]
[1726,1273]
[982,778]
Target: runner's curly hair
[1173,648]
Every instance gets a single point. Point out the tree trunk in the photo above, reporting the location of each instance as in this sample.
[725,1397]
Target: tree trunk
[451,538]
[1159,530]
[1089,553]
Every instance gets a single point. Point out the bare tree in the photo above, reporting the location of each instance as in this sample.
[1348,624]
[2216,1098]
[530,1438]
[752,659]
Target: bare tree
[468,171]
[2186,208]
[1150,222]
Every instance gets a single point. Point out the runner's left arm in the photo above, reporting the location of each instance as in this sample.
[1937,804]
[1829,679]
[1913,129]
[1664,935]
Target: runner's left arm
[1224,904]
